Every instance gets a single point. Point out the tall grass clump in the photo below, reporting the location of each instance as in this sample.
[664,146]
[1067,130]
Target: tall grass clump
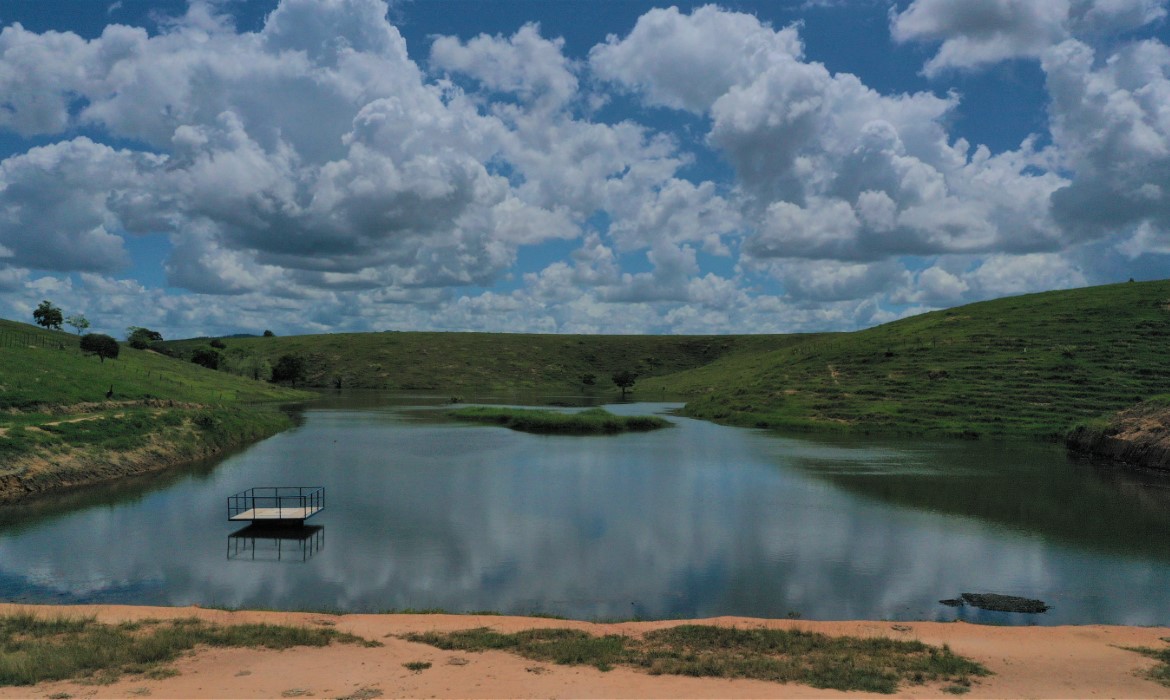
[785,656]
[36,649]
[594,421]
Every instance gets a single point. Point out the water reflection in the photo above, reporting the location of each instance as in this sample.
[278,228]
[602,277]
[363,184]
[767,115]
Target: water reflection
[694,521]
[285,543]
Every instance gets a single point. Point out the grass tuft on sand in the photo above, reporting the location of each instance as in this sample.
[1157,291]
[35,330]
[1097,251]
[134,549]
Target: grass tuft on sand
[786,656]
[1160,673]
[594,421]
[36,649]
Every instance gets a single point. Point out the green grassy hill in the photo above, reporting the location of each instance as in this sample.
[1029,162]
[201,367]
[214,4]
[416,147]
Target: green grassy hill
[483,363]
[58,428]
[46,368]
[1034,365]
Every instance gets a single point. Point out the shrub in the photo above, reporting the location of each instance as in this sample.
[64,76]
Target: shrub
[206,358]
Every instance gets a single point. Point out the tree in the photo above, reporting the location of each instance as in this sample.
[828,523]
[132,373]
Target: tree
[289,368]
[624,379]
[78,322]
[101,345]
[48,316]
[269,334]
[206,358]
[588,379]
[142,338]
[217,344]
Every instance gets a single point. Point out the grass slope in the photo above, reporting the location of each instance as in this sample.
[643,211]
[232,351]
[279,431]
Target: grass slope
[1034,365]
[58,429]
[47,368]
[489,363]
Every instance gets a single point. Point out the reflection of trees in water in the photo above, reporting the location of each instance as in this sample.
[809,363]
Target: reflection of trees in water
[1034,490]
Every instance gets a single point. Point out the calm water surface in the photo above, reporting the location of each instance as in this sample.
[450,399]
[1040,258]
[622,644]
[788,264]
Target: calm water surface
[697,520]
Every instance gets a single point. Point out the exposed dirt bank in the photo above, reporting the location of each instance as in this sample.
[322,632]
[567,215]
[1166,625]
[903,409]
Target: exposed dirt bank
[1039,662]
[1138,436]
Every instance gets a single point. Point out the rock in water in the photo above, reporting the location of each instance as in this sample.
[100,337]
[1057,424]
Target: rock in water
[998,603]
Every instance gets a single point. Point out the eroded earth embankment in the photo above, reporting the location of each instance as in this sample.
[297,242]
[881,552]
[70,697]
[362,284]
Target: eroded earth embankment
[70,446]
[1138,436]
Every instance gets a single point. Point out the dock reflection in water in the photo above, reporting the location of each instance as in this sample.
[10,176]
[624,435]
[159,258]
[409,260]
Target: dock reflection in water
[276,543]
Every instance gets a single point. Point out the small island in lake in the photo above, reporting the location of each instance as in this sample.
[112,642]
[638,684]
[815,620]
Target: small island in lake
[594,421]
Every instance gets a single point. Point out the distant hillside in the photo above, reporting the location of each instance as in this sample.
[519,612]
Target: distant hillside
[483,363]
[1034,365]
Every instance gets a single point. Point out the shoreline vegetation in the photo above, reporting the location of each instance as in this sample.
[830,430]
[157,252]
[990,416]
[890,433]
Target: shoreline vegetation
[593,421]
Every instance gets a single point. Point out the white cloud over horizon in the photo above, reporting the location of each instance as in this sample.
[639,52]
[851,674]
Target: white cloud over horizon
[315,175]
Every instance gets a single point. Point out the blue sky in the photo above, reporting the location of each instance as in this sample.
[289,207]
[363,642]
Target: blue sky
[210,167]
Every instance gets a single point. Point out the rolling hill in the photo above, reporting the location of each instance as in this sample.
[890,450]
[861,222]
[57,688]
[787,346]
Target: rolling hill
[484,364]
[1035,365]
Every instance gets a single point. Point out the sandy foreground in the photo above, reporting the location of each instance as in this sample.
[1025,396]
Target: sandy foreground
[1028,662]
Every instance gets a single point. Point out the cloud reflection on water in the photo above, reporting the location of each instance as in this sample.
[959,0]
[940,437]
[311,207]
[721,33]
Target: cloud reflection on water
[697,520]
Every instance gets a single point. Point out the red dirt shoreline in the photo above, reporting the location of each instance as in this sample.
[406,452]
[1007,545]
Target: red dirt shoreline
[1041,662]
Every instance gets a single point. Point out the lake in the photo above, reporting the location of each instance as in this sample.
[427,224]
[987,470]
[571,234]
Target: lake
[693,521]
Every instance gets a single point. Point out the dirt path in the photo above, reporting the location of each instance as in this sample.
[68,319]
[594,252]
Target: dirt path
[1040,662]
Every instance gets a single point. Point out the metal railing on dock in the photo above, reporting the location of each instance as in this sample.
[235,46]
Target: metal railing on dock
[276,503]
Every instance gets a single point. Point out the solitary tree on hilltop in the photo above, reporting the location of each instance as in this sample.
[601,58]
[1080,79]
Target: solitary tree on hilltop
[48,316]
[624,379]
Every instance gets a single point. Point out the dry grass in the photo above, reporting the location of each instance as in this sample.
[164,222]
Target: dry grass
[37,649]
[784,656]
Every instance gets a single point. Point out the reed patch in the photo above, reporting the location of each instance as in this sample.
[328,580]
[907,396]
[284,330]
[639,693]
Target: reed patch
[594,421]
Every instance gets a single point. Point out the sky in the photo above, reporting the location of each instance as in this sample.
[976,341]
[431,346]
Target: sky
[210,167]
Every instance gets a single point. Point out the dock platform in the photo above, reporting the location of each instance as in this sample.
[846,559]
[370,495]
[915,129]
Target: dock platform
[276,504]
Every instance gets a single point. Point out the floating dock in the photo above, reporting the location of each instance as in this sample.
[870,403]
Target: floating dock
[276,504]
